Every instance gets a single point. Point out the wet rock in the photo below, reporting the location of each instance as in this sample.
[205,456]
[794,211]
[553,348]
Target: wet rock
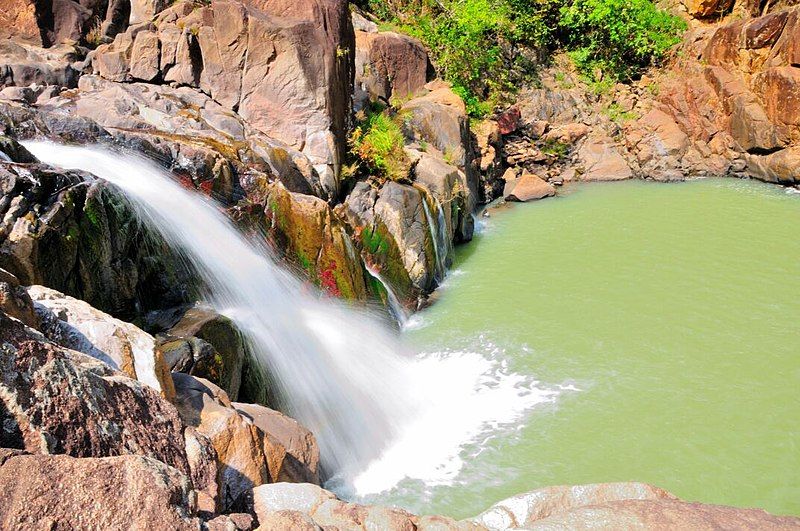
[314,238]
[67,231]
[13,151]
[206,344]
[58,401]
[389,66]
[110,493]
[530,187]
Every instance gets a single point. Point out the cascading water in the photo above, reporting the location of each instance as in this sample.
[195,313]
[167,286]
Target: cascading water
[374,409]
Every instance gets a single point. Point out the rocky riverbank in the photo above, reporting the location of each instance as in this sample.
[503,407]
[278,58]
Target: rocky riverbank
[125,404]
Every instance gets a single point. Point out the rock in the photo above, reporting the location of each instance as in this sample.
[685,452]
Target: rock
[707,8]
[58,401]
[13,151]
[18,21]
[281,520]
[489,145]
[522,510]
[145,56]
[74,324]
[299,497]
[239,444]
[232,522]
[786,51]
[314,237]
[567,133]
[145,10]
[530,187]
[762,32]
[56,230]
[110,493]
[15,301]
[780,167]
[361,23]
[780,91]
[301,464]
[206,344]
[18,94]
[202,459]
[389,66]
[664,514]
[509,121]
[601,161]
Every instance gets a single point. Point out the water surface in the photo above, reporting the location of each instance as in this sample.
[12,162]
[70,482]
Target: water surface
[672,309]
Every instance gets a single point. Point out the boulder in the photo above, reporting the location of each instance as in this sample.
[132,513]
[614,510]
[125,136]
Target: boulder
[301,464]
[786,51]
[779,88]
[389,66]
[145,10]
[23,65]
[58,401]
[238,443]
[122,346]
[206,344]
[15,301]
[781,167]
[524,509]
[13,151]
[601,160]
[313,237]
[530,187]
[202,459]
[121,492]
[707,8]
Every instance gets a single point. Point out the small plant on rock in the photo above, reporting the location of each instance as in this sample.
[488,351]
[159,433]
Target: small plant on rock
[377,142]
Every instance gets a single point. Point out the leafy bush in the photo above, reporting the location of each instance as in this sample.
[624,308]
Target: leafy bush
[377,141]
[620,37]
[477,45]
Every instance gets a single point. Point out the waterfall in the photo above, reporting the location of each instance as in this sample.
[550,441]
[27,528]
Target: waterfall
[4,157]
[395,306]
[438,232]
[379,414]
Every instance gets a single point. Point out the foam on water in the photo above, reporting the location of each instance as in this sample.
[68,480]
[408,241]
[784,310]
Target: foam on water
[379,414]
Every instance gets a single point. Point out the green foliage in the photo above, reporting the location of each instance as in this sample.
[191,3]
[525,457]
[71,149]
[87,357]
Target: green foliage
[556,148]
[377,141]
[614,111]
[476,44]
[619,37]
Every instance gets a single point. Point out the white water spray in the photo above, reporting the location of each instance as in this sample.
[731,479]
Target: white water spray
[373,409]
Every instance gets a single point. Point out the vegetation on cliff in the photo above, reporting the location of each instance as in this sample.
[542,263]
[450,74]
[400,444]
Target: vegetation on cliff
[486,48]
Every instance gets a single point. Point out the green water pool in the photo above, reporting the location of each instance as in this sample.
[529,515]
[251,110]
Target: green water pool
[672,309]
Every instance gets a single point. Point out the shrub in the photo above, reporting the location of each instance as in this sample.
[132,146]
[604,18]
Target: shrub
[377,141]
[620,37]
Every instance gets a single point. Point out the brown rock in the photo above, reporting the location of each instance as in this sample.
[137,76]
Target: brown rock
[723,46]
[388,65]
[282,520]
[764,31]
[239,445]
[567,133]
[530,187]
[780,92]
[301,464]
[18,21]
[15,301]
[508,121]
[780,167]
[202,458]
[145,10]
[786,50]
[124,492]
[58,401]
[707,8]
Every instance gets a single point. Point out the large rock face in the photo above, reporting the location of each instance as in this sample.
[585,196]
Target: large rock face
[285,67]
[62,492]
[70,232]
[58,401]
